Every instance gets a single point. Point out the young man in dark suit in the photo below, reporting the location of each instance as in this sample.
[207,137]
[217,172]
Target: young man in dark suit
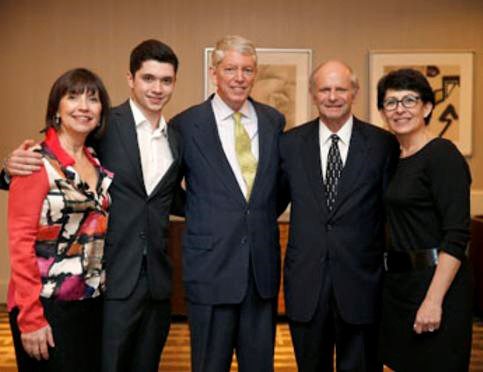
[231,252]
[337,168]
[144,155]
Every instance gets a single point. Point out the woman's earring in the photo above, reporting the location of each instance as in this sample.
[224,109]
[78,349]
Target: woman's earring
[57,120]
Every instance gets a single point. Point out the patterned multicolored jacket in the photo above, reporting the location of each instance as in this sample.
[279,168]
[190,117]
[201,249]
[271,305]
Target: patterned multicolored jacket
[56,234]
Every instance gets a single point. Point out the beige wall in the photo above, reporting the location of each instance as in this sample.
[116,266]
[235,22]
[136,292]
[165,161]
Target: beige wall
[41,39]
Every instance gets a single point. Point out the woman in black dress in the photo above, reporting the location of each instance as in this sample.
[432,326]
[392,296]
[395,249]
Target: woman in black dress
[427,312]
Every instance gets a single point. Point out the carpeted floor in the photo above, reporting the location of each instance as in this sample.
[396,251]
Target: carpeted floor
[176,352]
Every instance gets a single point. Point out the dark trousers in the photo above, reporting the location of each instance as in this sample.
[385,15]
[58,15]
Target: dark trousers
[314,341]
[135,330]
[218,330]
[76,328]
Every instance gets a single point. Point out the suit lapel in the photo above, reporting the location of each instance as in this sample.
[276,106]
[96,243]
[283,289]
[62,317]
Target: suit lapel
[354,166]
[310,150]
[209,145]
[127,132]
[266,137]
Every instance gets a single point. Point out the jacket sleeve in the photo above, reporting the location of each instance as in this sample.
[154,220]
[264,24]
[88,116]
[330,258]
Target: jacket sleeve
[450,186]
[4,180]
[25,201]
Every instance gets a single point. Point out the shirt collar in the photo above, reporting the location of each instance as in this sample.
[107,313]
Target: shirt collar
[140,119]
[227,112]
[53,143]
[344,132]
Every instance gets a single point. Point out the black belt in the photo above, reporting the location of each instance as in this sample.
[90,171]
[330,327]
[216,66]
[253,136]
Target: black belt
[400,262]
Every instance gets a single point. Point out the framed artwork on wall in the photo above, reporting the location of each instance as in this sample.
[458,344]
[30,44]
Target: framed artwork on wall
[450,74]
[282,81]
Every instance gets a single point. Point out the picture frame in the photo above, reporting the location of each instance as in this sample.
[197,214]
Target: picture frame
[450,74]
[282,81]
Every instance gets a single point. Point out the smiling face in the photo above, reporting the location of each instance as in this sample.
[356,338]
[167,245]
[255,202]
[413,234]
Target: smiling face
[234,77]
[402,120]
[79,113]
[152,87]
[333,93]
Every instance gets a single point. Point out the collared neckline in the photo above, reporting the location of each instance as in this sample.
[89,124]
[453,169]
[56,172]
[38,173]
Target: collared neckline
[344,132]
[226,111]
[140,119]
[53,143]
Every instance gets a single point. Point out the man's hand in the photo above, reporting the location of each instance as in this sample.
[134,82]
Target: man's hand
[23,161]
[37,343]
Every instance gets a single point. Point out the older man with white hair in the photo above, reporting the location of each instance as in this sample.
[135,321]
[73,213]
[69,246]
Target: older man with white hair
[231,255]
[337,167]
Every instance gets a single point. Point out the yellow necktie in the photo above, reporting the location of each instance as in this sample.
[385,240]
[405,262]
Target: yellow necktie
[244,155]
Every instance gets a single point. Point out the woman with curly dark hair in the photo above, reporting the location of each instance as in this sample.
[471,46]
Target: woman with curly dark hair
[427,312]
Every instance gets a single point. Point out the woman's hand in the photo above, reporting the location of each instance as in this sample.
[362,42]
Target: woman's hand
[37,343]
[428,317]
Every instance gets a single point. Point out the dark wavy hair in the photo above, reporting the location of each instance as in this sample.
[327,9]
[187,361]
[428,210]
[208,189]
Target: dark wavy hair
[152,50]
[406,79]
[78,81]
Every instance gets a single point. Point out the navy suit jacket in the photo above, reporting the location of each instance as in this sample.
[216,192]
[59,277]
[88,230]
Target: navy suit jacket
[347,241]
[226,236]
[137,221]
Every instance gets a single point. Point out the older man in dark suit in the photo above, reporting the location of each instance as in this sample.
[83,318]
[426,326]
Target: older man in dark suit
[230,249]
[337,168]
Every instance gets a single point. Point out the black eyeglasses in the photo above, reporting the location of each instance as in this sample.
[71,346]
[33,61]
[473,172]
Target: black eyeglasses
[390,104]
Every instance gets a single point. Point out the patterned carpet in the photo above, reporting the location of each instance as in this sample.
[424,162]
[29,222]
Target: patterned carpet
[176,352]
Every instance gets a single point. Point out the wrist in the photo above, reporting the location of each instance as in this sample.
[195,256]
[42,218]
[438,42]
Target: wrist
[434,300]
[7,174]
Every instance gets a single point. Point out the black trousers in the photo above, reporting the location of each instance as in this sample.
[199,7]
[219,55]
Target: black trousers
[76,327]
[247,328]
[314,341]
[135,330]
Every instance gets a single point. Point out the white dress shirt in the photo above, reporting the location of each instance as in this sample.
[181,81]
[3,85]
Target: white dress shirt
[226,132]
[325,141]
[156,156]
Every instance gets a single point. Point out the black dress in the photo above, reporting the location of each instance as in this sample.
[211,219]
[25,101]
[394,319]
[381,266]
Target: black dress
[427,204]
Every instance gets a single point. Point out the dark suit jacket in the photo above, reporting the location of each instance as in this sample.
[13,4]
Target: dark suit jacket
[349,240]
[136,220]
[225,235]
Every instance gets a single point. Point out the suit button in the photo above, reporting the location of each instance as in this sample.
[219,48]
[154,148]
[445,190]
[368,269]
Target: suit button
[142,235]
[329,226]
[247,212]
[244,240]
